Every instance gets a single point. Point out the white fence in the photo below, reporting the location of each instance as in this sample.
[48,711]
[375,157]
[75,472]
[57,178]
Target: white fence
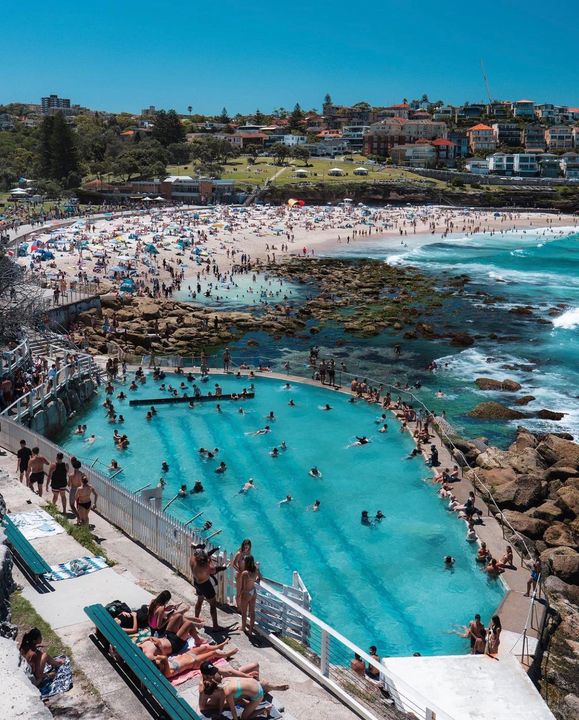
[10,360]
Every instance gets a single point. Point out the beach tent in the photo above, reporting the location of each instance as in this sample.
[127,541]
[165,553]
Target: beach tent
[128,285]
[151,249]
[300,173]
[292,202]
[159,199]
[361,171]
[335,171]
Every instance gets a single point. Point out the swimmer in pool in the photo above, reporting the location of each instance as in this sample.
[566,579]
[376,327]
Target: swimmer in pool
[283,446]
[275,452]
[291,403]
[316,506]
[222,468]
[261,431]
[384,428]
[183,491]
[198,487]
[413,454]
[314,472]
[364,519]
[165,466]
[90,440]
[247,486]
[361,440]
[327,406]
[286,500]
[379,516]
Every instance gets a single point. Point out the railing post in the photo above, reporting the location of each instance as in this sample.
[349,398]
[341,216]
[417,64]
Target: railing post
[325,654]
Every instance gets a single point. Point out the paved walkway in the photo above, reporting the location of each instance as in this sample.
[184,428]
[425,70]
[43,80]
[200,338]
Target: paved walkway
[134,579]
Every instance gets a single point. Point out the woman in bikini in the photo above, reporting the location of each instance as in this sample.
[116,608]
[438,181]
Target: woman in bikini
[247,691]
[164,619]
[171,665]
[239,565]
[248,594]
[83,500]
[31,650]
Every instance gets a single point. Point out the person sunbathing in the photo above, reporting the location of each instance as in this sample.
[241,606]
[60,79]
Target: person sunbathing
[192,659]
[246,691]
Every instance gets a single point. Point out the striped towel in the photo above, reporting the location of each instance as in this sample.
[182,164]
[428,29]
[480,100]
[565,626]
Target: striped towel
[76,568]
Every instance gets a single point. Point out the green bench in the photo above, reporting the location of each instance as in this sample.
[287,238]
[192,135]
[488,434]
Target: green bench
[151,680]
[30,557]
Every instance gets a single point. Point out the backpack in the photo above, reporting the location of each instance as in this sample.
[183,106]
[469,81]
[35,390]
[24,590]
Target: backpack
[116,607]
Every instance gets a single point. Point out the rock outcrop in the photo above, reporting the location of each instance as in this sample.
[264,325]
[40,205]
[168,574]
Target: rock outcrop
[504,385]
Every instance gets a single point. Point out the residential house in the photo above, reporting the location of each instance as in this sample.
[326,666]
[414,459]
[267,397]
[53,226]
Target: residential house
[466,113]
[508,134]
[445,151]
[354,136]
[550,165]
[534,138]
[499,110]
[293,140]
[328,147]
[575,132]
[524,109]
[559,137]
[501,164]
[6,122]
[380,137]
[477,166]
[460,140]
[526,164]
[570,165]
[421,154]
[481,139]
[444,112]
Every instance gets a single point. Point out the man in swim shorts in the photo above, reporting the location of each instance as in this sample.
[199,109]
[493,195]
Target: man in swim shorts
[203,570]
[36,470]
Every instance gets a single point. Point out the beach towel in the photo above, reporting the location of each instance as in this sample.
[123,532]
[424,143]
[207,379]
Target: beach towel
[190,674]
[76,568]
[60,683]
[36,524]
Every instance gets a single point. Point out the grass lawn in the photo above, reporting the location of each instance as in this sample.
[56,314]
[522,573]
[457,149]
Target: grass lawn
[240,170]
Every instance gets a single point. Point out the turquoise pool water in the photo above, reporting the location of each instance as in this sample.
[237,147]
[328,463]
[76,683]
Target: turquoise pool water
[384,584]
[248,290]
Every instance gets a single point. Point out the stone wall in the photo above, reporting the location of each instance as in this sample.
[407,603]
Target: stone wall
[50,419]
[63,315]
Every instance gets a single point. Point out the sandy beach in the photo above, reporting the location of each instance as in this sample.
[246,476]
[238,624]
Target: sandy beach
[165,247]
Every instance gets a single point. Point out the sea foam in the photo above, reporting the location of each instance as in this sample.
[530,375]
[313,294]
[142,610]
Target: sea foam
[568,320]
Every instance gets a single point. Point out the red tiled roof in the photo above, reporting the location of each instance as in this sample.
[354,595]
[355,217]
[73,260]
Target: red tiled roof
[442,141]
[480,126]
[401,105]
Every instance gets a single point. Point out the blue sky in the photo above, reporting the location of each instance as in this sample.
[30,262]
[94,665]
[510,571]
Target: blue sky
[124,55]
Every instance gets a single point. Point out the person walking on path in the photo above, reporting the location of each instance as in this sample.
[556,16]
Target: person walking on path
[36,471]
[83,501]
[23,456]
[58,479]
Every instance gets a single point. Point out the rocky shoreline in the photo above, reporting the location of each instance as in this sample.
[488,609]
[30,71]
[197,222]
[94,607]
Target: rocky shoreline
[535,487]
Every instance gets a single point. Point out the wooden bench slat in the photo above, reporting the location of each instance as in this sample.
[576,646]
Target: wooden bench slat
[157,684]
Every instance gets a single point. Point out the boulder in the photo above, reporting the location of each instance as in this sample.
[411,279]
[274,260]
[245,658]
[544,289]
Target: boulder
[560,535]
[490,384]
[525,492]
[526,461]
[547,511]
[495,411]
[524,400]
[112,302]
[496,477]
[560,473]
[557,451]
[532,528]
[149,311]
[568,499]
[562,562]
[549,415]
[462,339]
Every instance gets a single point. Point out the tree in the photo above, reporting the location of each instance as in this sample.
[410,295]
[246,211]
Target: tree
[167,128]
[224,117]
[22,302]
[280,152]
[252,153]
[57,153]
[301,153]
[145,159]
[259,117]
[189,109]
[179,153]
[296,118]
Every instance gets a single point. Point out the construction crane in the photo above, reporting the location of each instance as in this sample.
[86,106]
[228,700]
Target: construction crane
[485,78]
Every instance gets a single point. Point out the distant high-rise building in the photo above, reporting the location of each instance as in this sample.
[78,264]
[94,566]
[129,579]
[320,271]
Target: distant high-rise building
[53,103]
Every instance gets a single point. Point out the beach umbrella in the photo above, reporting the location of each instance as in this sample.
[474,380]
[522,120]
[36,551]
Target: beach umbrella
[151,249]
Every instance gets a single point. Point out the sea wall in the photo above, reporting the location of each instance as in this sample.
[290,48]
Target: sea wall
[51,418]
[63,315]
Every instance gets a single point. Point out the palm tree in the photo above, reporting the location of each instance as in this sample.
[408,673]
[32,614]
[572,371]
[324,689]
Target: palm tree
[189,108]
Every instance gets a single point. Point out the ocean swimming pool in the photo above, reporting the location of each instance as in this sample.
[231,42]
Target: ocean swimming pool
[384,584]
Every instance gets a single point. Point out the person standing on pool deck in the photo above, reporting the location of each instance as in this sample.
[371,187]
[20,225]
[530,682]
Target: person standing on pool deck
[23,456]
[226,359]
[83,500]
[203,570]
[74,483]
[36,470]
[58,479]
